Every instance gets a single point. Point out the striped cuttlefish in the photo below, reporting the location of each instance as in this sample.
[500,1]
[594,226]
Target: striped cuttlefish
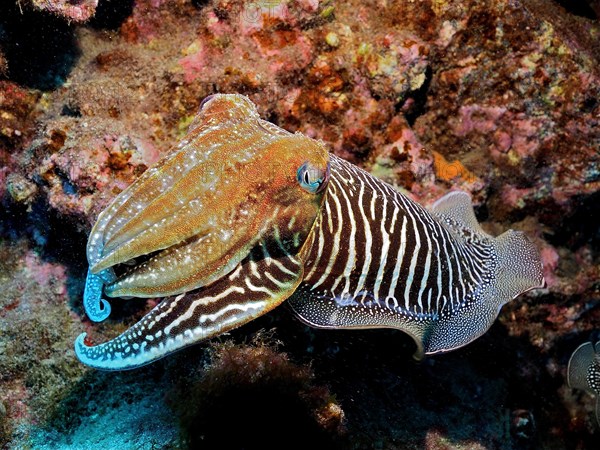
[584,371]
[243,215]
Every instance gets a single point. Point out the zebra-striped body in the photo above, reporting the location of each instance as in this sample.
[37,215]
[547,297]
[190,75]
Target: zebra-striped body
[267,216]
[378,259]
[373,245]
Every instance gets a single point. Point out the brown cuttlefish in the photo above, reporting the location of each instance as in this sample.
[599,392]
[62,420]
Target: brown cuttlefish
[243,215]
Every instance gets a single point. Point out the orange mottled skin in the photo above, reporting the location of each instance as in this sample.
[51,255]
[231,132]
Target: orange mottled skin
[215,211]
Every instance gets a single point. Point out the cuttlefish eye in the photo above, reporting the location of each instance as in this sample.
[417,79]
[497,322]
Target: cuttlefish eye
[311,178]
[206,100]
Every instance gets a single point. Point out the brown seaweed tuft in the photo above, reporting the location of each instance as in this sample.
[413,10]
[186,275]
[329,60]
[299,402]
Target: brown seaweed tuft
[258,388]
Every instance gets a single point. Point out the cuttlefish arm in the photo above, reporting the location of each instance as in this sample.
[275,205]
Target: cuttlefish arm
[206,229]
[177,206]
[257,285]
[96,308]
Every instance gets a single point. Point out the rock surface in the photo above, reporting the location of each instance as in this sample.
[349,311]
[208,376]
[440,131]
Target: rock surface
[501,99]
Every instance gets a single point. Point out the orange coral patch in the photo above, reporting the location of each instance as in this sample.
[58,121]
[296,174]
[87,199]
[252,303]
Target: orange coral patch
[447,171]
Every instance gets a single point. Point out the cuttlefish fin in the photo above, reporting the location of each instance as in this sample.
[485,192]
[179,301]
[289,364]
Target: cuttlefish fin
[458,207]
[518,261]
[257,285]
[583,371]
[323,311]
[579,364]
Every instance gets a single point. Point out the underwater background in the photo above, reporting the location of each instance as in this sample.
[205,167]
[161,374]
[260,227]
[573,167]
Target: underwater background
[497,98]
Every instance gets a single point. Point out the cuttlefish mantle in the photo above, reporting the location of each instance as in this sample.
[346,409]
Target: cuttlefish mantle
[243,215]
[584,371]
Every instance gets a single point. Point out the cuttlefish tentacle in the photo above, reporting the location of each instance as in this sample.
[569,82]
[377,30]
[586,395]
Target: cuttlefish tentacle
[229,192]
[176,213]
[243,215]
[256,285]
[95,306]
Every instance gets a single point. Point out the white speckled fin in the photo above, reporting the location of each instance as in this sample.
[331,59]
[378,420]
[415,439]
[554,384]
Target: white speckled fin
[579,363]
[325,312]
[583,371]
[518,269]
[458,207]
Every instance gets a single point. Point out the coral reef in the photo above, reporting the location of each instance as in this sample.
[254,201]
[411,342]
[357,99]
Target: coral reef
[3,65]
[77,11]
[34,373]
[501,99]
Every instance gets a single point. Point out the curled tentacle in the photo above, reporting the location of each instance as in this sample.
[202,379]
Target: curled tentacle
[96,308]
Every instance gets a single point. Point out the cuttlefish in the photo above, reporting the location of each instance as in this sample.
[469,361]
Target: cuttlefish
[243,215]
[584,371]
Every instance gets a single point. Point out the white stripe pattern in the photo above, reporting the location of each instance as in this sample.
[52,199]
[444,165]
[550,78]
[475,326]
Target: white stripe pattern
[423,268]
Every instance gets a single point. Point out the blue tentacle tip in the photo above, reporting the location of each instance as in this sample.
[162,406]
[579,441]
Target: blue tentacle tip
[95,306]
[80,347]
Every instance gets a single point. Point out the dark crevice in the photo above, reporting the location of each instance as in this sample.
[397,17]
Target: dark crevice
[54,237]
[581,8]
[250,408]
[581,227]
[110,14]
[419,100]
[40,48]
[67,185]
[70,111]
[589,104]
[60,239]
[12,215]
[482,212]
[273,117]
[199,3]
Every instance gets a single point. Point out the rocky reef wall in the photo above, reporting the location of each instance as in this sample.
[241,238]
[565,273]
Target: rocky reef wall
[501,99]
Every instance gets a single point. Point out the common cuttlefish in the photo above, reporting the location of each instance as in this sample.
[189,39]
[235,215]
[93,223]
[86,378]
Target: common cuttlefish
[584,371]
[243,215]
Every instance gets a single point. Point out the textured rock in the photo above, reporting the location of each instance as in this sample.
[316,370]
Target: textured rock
[3,63]
[501,99]
[77,11]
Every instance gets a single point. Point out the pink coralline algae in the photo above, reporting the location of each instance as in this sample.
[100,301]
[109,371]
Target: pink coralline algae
[515,133]
[501,99]
[195,60]
[73,173]
[33,316]
[77,11]
[47,275]
[394,63]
